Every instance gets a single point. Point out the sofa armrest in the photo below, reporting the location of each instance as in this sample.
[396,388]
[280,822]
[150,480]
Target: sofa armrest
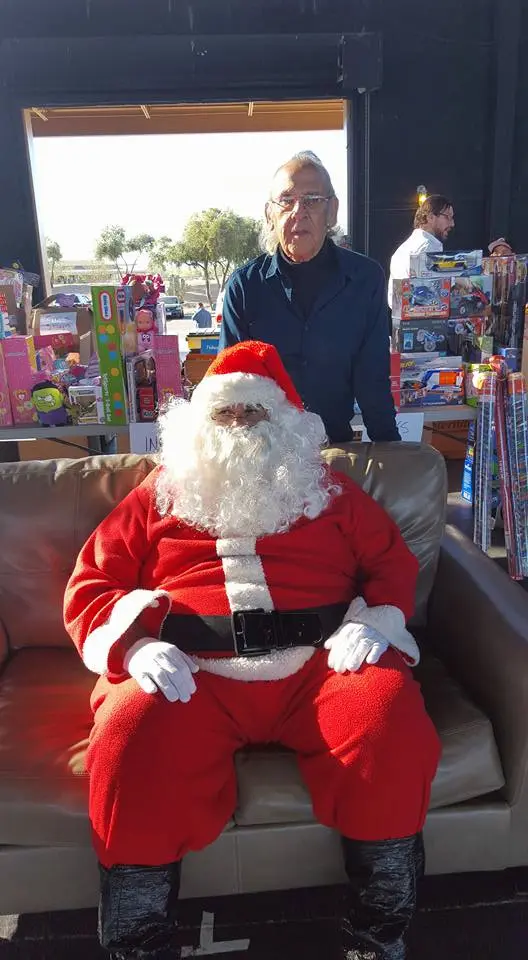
[478,622]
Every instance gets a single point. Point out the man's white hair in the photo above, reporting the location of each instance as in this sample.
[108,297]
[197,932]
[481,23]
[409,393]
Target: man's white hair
[269,240]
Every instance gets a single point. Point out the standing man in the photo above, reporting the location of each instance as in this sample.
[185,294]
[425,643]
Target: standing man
[323,307]
[433,222]
[202,318]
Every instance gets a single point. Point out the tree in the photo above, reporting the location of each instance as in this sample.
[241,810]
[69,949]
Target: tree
[54,255]
[113,244]
[216,241]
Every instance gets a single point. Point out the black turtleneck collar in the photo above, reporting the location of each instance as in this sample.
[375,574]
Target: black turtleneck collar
[310,277]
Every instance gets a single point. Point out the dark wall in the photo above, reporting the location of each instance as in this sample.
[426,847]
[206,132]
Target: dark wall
[433,121]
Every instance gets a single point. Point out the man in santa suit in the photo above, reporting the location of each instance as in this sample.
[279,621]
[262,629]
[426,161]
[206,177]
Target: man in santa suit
[244,594]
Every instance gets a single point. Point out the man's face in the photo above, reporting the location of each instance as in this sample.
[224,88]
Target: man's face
[441,225]
[301,211]
[239,415]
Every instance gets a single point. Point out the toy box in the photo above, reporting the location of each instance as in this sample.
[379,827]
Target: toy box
[203,341]
[6,418]
[424,336]
[425,298]
[21,370]
[474,379]
[468,475]
[470,296]
[86,403]
[168,368]
[141,384]
[431,380]
[429,264]
[511,356]
[395,374]
[108,343]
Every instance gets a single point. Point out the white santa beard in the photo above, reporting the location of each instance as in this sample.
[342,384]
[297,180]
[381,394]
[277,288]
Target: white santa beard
[242,481]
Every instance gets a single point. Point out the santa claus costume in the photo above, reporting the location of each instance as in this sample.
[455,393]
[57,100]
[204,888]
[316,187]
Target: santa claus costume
[244,594]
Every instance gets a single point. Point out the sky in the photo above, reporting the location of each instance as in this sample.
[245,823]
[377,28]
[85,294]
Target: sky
[152,184]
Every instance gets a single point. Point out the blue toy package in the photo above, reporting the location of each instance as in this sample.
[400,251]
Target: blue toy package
[423,299]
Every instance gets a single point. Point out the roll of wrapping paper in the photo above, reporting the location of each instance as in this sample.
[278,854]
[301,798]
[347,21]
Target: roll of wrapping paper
[517,435]
[501,400]
[483,463]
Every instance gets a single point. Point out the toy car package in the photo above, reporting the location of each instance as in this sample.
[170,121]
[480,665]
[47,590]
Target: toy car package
[425,298]
[461,263]
[470,296]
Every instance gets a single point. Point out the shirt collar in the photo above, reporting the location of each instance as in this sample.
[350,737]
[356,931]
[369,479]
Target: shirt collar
[346,263]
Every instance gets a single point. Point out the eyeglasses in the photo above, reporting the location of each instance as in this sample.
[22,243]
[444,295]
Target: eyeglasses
[311,201]
[251,413]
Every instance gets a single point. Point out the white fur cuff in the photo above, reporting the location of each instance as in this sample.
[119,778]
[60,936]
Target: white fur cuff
[390,622]
[98,644]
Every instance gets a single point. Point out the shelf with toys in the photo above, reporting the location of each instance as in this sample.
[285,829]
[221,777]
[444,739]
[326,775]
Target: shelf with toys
[77,370]
[461,324]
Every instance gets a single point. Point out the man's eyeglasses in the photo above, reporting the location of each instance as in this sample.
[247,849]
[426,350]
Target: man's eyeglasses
[311,201]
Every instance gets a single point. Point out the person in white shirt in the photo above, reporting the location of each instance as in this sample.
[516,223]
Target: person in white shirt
[433,222]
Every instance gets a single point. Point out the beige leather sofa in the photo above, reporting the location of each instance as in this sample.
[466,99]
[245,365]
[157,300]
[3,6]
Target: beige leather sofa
[472,624]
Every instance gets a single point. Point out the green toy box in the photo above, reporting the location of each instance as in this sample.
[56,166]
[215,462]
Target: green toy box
[109,351]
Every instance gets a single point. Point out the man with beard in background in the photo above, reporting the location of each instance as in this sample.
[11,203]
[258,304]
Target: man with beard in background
[176,600]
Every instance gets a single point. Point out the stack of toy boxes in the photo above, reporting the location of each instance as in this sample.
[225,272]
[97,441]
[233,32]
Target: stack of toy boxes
[139,361]
[440,319]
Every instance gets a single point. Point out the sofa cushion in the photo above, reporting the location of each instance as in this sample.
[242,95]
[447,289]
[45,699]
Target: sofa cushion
[271,790]
[410,481]
[45,722]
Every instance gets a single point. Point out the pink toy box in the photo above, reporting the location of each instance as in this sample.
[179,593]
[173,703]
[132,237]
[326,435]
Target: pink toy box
[168,368]
[21,367]
[6,418]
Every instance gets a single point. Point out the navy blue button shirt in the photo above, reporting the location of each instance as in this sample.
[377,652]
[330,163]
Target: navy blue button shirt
[338,352]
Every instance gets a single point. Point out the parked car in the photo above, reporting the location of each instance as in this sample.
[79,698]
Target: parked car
[173,308]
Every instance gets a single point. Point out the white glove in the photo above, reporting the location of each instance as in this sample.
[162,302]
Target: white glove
[157,665]
[353,644]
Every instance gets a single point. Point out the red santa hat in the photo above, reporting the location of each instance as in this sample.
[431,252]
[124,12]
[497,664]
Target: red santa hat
[249,372]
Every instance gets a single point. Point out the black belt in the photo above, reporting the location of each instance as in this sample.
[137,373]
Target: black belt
[251,633]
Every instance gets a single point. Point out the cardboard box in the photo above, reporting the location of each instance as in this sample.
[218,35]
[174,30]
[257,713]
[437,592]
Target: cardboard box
[6,418]
[63,328]
[424,336]
[22,375]
[422,299]
[109,351]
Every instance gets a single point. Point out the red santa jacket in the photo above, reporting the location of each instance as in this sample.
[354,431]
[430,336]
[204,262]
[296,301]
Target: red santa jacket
[138,564]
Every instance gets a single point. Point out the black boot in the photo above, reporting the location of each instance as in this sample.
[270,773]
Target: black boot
[137,911]
[382,896]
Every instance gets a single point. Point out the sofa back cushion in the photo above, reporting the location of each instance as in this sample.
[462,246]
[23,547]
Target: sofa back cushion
[48,508]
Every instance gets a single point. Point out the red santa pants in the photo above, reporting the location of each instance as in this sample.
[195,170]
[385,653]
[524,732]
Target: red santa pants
[162,777]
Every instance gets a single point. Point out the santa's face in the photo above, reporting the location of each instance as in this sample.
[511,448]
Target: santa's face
[241,469]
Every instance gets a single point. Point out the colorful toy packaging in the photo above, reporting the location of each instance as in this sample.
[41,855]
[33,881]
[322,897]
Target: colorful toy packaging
[425,298]
[168,368]
[431,380]
[428,264]
[470,296]
[6,418]
[21,368]
[109,350]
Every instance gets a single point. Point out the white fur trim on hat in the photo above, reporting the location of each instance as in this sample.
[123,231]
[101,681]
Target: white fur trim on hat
[390,622]
[230,388]
[125,611]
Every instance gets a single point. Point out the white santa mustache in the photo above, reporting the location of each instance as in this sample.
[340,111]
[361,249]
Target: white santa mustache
[242,481]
